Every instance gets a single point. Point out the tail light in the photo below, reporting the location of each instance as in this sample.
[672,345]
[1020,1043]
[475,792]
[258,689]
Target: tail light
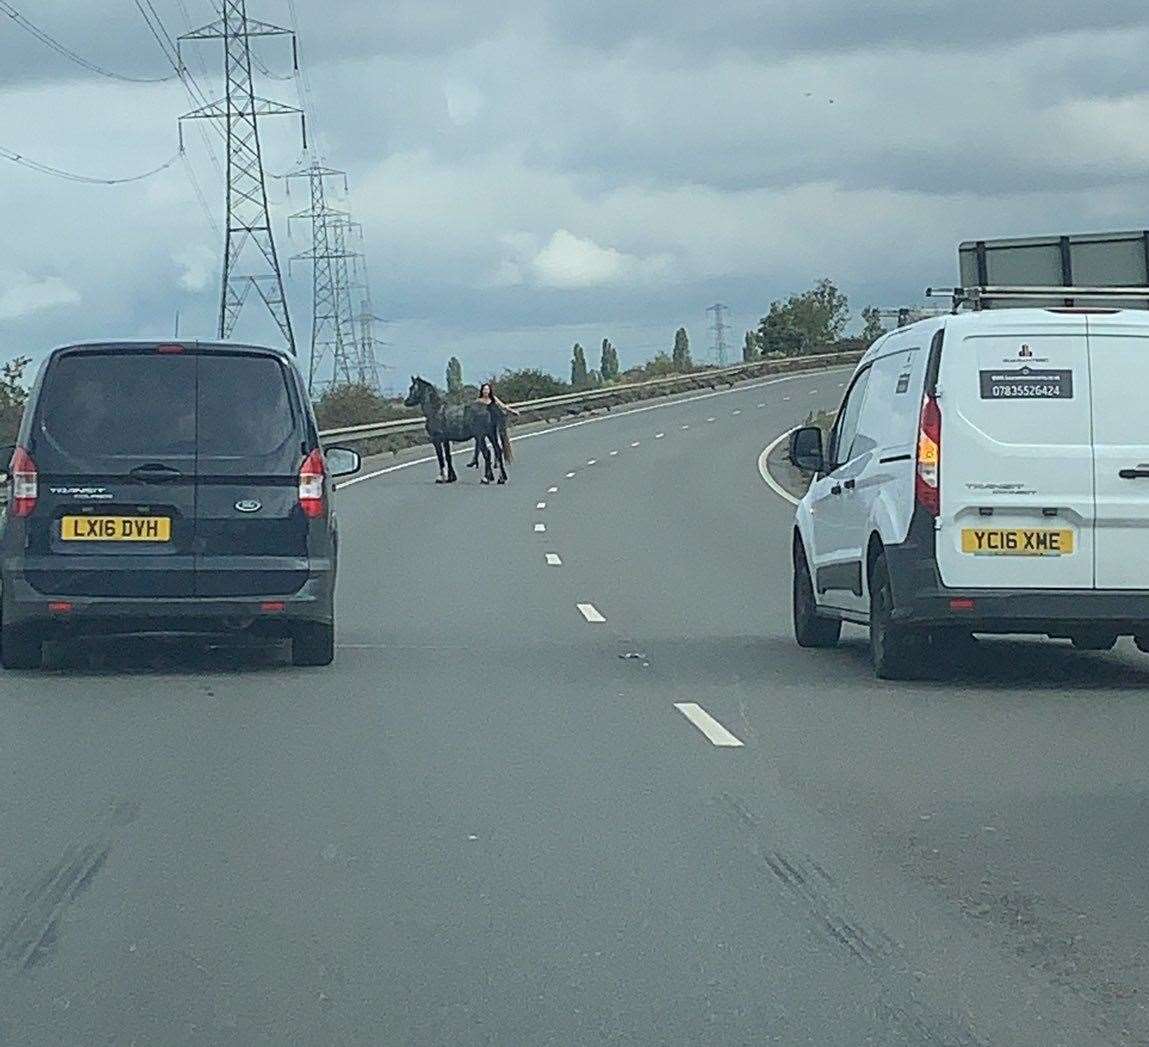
[313,484]
[927,482]
[25,481]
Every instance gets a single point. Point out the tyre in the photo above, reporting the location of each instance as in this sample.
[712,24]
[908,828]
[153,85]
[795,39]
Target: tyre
[810,630]
[1093,640]
[897,652]
[20,649]
[313,644]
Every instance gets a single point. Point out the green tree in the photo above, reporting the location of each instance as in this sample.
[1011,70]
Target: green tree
[528,384]
[13,396]
[805,322]
[454,376]
[681,357]
[608,368]
[579,377]
[776,333]
[355,404]
[872,326]
[750,348]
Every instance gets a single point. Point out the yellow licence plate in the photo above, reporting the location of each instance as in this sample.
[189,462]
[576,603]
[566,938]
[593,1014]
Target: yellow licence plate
[116,529]
[1016,541]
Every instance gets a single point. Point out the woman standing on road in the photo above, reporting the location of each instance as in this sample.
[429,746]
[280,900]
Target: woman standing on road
[497,408]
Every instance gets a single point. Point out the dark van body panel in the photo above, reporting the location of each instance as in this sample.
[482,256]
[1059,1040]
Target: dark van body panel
[193,449]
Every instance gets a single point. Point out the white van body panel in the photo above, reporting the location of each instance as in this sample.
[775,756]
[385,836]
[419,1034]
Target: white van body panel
[1016,447]
[1119,363]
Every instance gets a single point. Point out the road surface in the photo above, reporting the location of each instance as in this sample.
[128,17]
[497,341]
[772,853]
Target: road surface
[571,782]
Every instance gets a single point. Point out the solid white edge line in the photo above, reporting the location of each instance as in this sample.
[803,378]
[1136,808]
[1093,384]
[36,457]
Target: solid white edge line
[591,613]
[715,733]
[553,560]
[773,484]
[591,421]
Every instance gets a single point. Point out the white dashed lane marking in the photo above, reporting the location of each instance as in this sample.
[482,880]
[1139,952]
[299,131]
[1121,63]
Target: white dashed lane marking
[540,528]
[735,412]
[541,505]
[686,427]
[636,443]
[569,475]
[712,419]
[761,405]
[715,733]
[553,560]
[552,490]
[593,461]
[592,614]
[659,436]
[613,453]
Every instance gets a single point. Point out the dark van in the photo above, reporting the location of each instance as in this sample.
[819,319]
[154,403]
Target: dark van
[169,487]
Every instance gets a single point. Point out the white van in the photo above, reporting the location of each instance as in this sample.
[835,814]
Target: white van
[988,472]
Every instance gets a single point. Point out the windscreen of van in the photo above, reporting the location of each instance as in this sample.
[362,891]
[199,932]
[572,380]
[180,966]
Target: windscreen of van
[119,405]
[245,409]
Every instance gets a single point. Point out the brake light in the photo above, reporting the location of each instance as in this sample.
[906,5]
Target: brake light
[169,350]
[312,484]
[25,482]
[927,482]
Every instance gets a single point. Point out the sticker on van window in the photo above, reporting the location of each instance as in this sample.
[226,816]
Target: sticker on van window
[1027,383]
[903,382]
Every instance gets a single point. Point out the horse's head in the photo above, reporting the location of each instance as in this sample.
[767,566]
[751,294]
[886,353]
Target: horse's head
[416,393]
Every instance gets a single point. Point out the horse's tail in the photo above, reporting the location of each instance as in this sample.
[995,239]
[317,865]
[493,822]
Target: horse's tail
[504,440]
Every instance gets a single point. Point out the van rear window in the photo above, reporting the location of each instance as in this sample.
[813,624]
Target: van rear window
[244,406]
[113,404]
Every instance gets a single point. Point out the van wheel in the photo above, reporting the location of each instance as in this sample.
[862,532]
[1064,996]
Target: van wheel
[1093,640]
[897,653]
[20,649]
[313,644]
[810,630]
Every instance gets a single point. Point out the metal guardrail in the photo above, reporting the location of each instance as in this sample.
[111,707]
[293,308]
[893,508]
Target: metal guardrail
[606,397]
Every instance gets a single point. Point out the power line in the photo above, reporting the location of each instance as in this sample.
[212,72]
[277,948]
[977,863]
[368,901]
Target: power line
[71,176]
[50,41]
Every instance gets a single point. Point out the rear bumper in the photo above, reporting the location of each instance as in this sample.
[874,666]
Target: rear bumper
[921,599]
[23,605]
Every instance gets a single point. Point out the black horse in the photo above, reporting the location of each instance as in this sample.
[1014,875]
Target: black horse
[447,422]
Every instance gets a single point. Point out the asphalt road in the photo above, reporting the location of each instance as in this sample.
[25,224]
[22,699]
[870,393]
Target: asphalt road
[495,821]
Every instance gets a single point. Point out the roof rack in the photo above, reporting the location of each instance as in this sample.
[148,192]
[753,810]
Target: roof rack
[976,297]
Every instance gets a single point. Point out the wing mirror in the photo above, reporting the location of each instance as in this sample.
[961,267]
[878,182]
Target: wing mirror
[806,449]
[342,461]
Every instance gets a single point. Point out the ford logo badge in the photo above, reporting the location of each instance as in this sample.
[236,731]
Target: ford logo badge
[249,505]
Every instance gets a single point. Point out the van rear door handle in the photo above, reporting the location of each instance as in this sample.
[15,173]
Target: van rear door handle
[155,472]
[1140,473]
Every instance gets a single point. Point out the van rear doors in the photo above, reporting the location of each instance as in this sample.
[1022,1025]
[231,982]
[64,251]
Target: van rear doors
[1119,362]
[1017,470]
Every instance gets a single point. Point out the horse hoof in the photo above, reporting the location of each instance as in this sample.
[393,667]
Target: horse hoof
[472,465]
[452,479]
[502,481]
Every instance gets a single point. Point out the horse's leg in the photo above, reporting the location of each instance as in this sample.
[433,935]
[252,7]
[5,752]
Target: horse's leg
[474,462]
[488,476]
[451,477]
[499,461]
[442,465]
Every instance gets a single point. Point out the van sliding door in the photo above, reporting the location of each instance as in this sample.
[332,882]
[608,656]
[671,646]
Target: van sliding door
[1119,360]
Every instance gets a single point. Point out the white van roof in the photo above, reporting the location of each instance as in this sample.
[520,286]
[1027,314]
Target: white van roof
[920,333]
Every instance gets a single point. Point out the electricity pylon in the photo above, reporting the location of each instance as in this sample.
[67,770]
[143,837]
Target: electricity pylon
[248,216]
[333,316]
[720,328]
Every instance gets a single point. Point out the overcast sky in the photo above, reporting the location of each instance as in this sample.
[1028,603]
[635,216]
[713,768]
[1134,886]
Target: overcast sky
[533,172]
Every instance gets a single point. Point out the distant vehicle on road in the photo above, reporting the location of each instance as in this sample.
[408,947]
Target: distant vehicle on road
[169,487]
[987,472]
